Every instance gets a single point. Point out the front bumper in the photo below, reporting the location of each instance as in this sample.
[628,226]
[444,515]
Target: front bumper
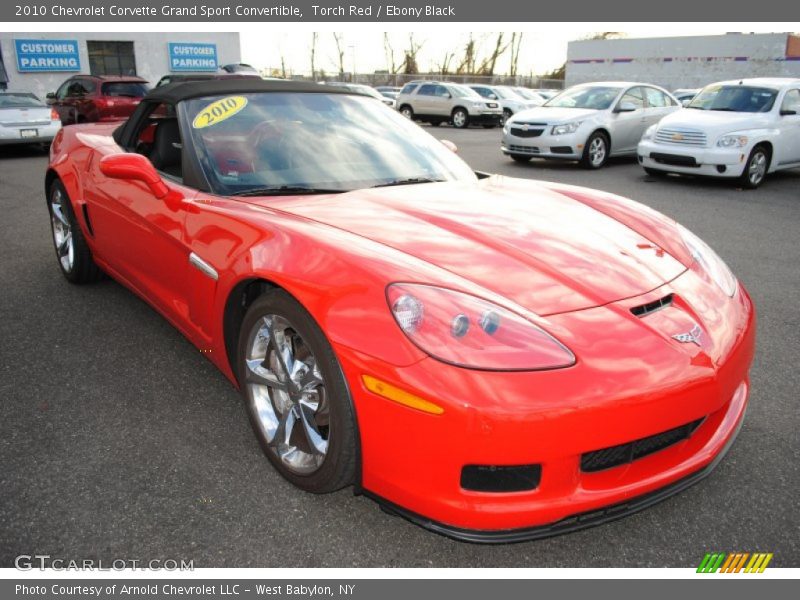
[44,133]
[486,118]
[564,147]
[618,392]
[674,158]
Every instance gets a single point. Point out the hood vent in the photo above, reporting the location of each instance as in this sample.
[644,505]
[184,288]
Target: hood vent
[645,309]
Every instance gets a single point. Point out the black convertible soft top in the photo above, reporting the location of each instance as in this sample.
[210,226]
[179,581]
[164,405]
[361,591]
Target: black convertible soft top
[182,90]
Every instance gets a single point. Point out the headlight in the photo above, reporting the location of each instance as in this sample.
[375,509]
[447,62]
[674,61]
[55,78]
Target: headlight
[709,261]
[466,331]
[478,104]
[732,141]
[649,132]
[566,128]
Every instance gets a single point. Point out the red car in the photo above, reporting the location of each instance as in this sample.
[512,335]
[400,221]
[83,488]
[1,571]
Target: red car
[90,98]
[495,359]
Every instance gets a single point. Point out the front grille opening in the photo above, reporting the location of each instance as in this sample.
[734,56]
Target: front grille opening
[598,460]
[646,309]
[486,478]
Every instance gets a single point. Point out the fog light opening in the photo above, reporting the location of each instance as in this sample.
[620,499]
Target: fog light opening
[721,168]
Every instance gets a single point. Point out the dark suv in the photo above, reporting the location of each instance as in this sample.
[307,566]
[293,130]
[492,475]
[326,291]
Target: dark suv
[87,98]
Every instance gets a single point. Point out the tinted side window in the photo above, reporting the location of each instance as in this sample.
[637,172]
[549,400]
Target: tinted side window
[61,93]
[442,91]
[656,98]
[634,96]
[485,92]
[791,101]
[427,90]
[408,88]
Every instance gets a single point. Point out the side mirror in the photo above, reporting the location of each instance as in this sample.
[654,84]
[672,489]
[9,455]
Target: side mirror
[50,97]
[450,146]
[134,167]
[492,96]
[625,107]
[788,112]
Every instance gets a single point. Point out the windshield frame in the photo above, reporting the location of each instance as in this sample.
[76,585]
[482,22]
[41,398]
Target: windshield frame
[718,88]
[437,155]
[552,102]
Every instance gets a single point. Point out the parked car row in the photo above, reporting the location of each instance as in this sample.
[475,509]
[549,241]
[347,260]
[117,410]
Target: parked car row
[741,129]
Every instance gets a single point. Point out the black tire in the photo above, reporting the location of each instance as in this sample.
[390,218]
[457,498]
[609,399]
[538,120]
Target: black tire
[460,118]
[589,159]
[339,466]
[82,268]
[507,114]
[520,158]
[654,172]
[407,111]
[759,155]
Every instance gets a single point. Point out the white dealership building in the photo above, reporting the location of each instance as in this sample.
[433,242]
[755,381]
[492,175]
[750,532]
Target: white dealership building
[684,62]
[40,62]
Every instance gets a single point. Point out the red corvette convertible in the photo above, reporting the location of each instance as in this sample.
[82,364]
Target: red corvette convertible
[495,359]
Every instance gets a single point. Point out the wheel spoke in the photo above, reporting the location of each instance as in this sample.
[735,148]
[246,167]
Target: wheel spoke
[258,374]
[316,442]
[58,211]
[63,248]
[282,350]
[284,431]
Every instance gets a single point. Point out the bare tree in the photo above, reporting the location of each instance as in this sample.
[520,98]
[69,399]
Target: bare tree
[410,61]
[283,66]
[490,62]
[314,55]
[444,66]
[516,43]
[467,64]
[339,39]
[391,59]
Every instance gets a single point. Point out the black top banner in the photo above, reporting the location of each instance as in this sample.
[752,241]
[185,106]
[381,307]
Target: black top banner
[315,11]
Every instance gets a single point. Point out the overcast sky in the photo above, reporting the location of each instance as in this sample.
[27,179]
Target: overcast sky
[542,49]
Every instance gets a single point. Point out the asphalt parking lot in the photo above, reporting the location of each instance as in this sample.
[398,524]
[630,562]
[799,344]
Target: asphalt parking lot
[119,440]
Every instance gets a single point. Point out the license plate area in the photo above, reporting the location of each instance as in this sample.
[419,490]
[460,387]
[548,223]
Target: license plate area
[28,133]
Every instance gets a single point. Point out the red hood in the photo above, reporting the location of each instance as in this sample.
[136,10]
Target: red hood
[541,249]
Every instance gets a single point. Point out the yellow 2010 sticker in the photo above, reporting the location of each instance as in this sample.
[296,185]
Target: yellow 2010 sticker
[218,111]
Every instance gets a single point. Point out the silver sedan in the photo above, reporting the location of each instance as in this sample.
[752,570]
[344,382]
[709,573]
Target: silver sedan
[587,123]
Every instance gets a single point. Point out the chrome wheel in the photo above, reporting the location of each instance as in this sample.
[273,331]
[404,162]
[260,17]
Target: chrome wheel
[406,112]
[62,231]
[757,167]
[597,151]
[287,393]
[459,119]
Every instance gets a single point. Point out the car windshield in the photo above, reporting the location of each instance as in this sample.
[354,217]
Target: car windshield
[594,97]
[19,101]
[527,94]
[462,91]
[282,142]
[735,98]
[506,93]
[130,89]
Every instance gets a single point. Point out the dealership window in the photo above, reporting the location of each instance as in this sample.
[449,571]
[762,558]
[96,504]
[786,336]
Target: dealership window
[111,58]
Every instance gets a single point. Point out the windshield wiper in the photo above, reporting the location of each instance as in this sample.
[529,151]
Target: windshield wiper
[408,181]
[724,109]
[286,190]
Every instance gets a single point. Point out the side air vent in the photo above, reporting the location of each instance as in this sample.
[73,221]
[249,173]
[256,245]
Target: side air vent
[645,309]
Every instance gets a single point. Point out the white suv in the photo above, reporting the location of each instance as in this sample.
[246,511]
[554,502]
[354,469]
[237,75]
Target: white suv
[436,102]
[740,129]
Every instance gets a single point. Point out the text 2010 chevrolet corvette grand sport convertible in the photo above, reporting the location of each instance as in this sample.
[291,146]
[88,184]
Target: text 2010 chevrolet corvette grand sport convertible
[495,359]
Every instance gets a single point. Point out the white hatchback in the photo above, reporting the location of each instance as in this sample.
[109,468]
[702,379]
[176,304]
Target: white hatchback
[739,129]
[587,123]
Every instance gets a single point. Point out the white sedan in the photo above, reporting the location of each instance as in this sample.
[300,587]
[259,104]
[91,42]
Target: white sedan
[739,129]
[24,119]
[588,123]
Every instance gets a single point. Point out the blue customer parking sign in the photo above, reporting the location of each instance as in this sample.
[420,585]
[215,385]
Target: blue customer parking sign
[47,55]
[192,57]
